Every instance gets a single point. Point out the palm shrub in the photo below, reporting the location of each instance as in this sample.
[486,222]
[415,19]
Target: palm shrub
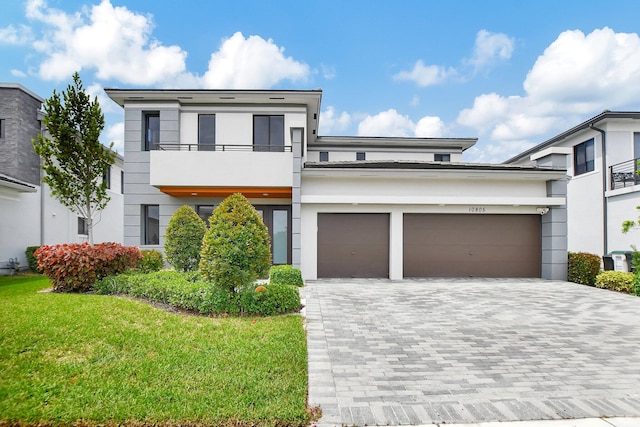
[235,248]
[183,239]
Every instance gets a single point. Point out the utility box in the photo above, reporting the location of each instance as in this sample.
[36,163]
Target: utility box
[621,260]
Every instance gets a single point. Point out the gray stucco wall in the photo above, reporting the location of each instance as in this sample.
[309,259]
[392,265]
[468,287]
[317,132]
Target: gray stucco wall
[19,112]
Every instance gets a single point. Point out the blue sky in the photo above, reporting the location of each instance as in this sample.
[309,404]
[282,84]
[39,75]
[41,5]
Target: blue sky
[511,73]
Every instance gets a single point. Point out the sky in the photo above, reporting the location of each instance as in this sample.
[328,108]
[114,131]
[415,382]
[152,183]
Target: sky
[511,73]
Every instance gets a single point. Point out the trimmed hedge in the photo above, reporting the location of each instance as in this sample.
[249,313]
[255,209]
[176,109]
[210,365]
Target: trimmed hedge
[186,291]
[151,261]
[619,281]
[32,261]
[583,268]
[76,267]
[285,275]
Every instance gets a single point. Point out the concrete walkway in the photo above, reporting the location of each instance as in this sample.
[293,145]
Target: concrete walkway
[472,351]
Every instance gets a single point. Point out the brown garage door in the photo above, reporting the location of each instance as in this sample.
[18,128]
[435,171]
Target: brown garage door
[437,245]
[353,245]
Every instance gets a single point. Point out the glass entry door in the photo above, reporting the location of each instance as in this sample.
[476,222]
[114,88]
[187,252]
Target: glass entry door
[278,221]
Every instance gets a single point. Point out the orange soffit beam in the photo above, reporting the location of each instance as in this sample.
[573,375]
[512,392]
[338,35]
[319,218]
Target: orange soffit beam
[248,192]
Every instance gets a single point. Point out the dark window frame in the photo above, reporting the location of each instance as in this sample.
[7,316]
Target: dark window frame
[324,156]
[150,234]
[3,124]
[146,135]
[273,143]
[439,157]
[206,145]
[106,177]
[584,157]
[361,155]
[121,182]
[83,227]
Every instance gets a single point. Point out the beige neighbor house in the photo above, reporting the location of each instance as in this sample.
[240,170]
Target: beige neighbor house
[29,215]
[602,155]
[338,206]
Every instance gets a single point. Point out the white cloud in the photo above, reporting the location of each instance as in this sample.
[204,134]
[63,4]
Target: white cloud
[426,75]
[577,76]
[115,134]
[250,63]
[114,41]
[490,47]
[18,73]
[15,36]
[328,72]
[430,127]
[331,122]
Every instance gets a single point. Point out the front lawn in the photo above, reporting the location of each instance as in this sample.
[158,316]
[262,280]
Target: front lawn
[74,358]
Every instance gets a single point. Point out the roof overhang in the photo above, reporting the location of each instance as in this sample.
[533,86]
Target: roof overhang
[364,142]
[16,185]
[248,192]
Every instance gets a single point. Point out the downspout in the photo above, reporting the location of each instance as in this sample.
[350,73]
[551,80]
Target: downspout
[42,198]
[605,215]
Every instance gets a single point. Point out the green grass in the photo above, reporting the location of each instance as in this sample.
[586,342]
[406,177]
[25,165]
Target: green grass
[90,359]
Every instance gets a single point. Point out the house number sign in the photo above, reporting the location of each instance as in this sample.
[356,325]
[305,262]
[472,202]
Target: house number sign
[477,209]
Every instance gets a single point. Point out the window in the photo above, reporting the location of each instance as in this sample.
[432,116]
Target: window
[83,227]
[442,157]
[106,177]
[121,182]
[150,225]
[361,156]
[151,131]
[583,158]
[324,156]
[205,212]
[207,132]
[268,133]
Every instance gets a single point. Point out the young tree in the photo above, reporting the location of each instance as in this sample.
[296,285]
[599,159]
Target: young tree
[183,239]
[74,160]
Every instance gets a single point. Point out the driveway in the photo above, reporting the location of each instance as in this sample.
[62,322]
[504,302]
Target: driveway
[470,350]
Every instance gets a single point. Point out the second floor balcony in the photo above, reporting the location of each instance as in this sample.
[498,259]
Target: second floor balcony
[192,165]
[624,174]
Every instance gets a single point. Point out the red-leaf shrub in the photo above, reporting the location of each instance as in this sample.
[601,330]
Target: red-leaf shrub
[75,267]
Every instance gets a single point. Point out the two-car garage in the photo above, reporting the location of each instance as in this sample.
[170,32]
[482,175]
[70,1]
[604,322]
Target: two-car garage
[433,245]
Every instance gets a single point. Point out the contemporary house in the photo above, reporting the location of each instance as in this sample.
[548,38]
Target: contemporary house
[29,216]
[604,187]
[338,206]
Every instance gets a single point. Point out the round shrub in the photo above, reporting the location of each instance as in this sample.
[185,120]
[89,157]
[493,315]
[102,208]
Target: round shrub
[583,268]
[269,300]
[151,261]
[236,248]
[619,281]
[285,275]
[183,239]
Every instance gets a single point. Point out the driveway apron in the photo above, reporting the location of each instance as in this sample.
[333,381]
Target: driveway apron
[470,350]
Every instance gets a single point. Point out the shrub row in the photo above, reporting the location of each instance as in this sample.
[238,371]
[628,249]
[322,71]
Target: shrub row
[619,281]
[76,267]
[285,275]
[150,261]
[187,291]
[583,268]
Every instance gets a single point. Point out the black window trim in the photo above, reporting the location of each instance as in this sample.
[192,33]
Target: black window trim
[271,147]
[580,153]
[145,141]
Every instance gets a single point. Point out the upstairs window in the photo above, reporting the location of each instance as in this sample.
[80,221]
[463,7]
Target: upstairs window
[207,132]
[268,133]
[583,158]
[83,228]
[151,131]
[106,177]
[442,157]
[324,156]
[121,182]
[361,156]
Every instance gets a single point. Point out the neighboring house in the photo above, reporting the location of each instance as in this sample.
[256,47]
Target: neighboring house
[29,215]
[603,191]
[338,206]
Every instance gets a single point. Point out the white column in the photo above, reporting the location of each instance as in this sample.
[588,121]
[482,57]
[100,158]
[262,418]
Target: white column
[395,245]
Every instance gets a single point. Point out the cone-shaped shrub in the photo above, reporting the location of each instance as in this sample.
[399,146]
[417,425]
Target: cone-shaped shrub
[236,248]
[183,239]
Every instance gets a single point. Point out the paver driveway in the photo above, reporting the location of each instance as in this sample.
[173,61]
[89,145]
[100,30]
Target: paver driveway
[433,351]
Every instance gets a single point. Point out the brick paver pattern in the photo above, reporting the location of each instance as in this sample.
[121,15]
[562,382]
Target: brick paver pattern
[457,350]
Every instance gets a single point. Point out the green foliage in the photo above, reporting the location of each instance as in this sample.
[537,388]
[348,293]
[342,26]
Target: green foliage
[183,239]
[285,275]
[76,267]
[635,260]
[74,160]
[583,268]
[628,224]
[636,283]
[151,261]
[236,248]
[618,281]
[31,258]
[185,291]
[269,300]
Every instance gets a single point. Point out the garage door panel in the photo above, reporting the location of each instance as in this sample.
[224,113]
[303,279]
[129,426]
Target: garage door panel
[471,245]
[353,245]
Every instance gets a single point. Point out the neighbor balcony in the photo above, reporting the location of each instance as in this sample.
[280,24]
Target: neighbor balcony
[187,170]
[624,174]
